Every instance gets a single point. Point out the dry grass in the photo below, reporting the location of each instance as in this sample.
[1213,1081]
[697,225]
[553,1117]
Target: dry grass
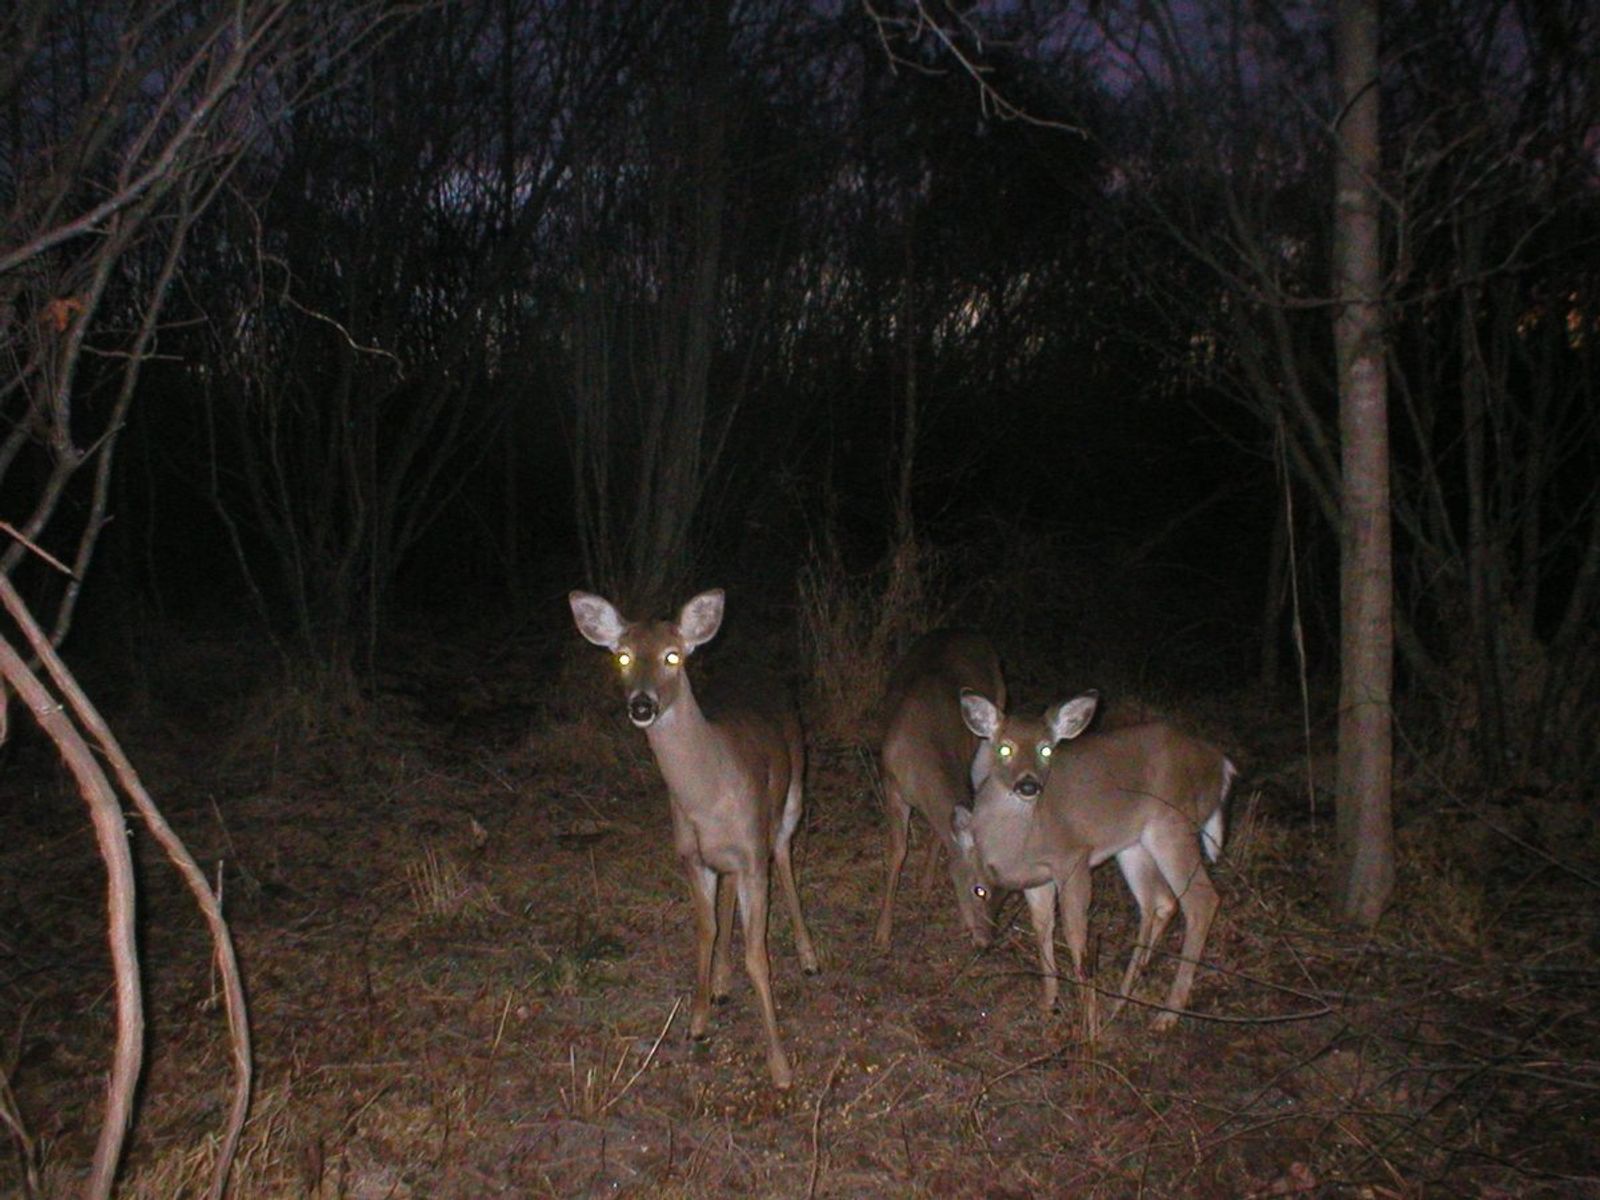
[593,1091]
[440,889]
[468,958]
[1439,889]
[267,1164]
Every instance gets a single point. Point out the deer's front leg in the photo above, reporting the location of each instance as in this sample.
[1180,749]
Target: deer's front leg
[753,891]
[1042,908]
[703,894]
[1073,894]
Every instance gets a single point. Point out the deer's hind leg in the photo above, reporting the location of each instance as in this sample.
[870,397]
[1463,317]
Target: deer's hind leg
[1177,854]
[1157,905]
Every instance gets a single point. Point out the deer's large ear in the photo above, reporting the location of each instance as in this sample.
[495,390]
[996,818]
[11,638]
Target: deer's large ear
[701,618]
[1071,717]
[980,716]
[597,618]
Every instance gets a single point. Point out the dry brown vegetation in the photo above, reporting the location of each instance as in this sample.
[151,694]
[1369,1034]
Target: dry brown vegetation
[467,947]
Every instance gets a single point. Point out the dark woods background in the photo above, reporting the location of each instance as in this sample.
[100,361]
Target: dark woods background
[331,316]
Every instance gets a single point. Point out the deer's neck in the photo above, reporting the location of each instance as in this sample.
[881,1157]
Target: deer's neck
[1003,831]
[686,745]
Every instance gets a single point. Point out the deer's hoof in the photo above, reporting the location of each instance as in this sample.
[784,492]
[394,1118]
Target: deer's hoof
[782,1076]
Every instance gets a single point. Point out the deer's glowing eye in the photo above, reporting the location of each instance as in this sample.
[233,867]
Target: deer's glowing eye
[624,658]
[1004,750]
[672,658]
[1046,751]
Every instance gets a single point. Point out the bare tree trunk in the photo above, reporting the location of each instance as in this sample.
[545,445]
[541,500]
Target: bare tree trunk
[904,520]
[1365,877]
[677,463]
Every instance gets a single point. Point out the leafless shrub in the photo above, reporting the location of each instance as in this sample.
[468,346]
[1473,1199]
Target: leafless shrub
[852,628]
[27,1148]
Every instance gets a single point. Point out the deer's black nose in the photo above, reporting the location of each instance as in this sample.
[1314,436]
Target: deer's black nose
[1028,787]
[642,709]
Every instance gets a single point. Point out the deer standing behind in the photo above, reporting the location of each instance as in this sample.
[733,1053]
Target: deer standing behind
[927,760]
[734,781]
[1146,795]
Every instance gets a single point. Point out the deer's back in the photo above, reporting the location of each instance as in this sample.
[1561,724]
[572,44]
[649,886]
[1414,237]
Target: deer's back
[755,717]
[1106,787]
[922,711]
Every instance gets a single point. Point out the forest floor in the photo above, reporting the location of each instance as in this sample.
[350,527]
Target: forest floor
[467,948]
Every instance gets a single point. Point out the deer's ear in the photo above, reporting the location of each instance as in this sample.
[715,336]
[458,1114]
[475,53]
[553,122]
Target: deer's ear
[701,618]
[597,618]
[961,819]
[979,714]
[1071,717]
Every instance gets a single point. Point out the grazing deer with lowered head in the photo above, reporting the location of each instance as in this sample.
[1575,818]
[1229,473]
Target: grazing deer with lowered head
[928,756]
[735,787]
[1146,795]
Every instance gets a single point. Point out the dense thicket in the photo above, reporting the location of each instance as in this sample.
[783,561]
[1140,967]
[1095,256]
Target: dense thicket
[655,289]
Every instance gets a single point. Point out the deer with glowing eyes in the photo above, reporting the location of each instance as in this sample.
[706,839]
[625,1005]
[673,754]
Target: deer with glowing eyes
[1057,802]
[734,784]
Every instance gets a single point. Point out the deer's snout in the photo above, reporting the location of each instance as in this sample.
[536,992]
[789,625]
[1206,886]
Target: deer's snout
[1028,787]
[643,709]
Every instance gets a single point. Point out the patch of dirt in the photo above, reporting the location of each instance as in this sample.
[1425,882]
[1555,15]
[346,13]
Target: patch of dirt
[468,953]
